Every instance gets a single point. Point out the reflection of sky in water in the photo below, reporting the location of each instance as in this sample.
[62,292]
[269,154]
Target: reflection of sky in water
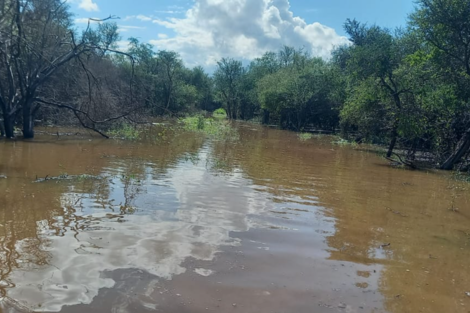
[187,212]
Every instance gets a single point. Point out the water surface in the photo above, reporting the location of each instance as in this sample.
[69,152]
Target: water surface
[267,223]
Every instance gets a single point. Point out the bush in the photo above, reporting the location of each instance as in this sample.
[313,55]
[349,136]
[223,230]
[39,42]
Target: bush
[304,136]
[213,128]
[220,113]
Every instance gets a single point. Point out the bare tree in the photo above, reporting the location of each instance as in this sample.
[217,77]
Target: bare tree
[36,41]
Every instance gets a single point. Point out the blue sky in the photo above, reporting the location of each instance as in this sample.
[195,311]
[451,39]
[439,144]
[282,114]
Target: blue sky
[203,31]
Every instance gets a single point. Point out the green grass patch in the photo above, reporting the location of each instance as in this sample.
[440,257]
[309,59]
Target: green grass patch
[343,142]
[304,136]
[125,131]
[213,128]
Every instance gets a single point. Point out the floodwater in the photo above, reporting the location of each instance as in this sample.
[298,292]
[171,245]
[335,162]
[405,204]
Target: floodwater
[267,223]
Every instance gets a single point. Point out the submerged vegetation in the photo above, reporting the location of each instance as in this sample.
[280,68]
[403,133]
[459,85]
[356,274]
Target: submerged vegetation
[405,89]
[304,136]
[214,128]
[125,131]
[343,142]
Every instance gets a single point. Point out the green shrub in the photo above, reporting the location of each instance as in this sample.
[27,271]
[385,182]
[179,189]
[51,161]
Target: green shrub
[200,122]
[220,113]
[304,136]
[213,128]
[125,131]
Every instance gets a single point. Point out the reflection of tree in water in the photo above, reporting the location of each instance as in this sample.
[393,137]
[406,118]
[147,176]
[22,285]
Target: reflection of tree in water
[394,218]
[368,206]
[307,176]
[22,245]
[31,214]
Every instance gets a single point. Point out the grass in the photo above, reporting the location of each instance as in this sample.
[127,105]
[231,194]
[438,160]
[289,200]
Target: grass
[125,131]
[304,136]
[214,128]
[462,176]
[343,142]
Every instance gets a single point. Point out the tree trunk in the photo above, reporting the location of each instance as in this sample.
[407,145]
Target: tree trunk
[229,110]
[9,127]
[2,128]
[392,142]
[28,123]
[462,148]
[235,111]
[282,119]
[299,121]
[412,152]
[265,117]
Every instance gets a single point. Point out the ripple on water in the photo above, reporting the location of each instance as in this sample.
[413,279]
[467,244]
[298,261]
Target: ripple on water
[314,227]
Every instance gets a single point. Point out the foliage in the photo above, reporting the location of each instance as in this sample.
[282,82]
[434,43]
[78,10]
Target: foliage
[298,93]
[220,113]
[216,129]
[462,176]
[344,142]
[408,88]
[228,79]
[443,27]
[304,136]
[125,131]
[39,48]
[164,84]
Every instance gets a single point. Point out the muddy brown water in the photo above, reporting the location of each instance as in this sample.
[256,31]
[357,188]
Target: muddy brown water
[264,224]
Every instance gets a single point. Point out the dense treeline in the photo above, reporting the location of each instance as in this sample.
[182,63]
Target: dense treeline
[407,89]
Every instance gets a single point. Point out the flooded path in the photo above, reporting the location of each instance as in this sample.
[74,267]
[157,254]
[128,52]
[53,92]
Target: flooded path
[264,224]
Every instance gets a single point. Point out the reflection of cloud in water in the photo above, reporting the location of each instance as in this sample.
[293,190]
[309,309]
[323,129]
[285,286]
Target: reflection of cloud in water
[208,208]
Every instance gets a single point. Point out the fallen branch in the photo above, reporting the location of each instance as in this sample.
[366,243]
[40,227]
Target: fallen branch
[77,113]
[89,127]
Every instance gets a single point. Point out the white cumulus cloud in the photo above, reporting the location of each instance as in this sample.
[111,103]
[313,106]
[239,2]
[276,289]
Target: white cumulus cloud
[88,5]
[243,29]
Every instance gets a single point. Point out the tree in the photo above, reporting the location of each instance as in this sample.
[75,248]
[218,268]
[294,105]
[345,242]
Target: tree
[297,93]
[204,87]
[170,65]
[37,41]
[228,79]
[145,73]
[380,87]
[259,68]
[444,24]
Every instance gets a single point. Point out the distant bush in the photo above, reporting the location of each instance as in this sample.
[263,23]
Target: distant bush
[304,136]
[213,128]
[220,113]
